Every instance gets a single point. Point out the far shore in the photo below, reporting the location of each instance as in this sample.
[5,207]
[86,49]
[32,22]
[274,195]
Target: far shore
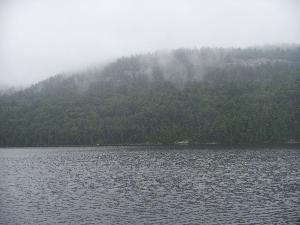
[202,145]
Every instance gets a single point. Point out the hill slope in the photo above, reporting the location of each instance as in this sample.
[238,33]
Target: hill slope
[232,96]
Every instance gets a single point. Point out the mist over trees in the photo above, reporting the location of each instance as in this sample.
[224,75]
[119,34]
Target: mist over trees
[229,96]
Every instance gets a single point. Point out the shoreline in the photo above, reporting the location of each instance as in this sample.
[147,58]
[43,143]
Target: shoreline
[204,145]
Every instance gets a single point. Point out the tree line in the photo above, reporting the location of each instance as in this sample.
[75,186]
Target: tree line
[228,96]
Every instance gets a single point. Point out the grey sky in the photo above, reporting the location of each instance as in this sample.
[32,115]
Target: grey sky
[39,38]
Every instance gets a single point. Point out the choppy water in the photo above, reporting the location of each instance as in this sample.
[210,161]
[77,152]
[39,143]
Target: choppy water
[139,185]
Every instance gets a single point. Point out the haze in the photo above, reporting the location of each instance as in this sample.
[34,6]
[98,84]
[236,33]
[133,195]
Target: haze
[39,39]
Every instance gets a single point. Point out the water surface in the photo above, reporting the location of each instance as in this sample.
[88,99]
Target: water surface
[143,185]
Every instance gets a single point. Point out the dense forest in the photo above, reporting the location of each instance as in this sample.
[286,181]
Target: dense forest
[207,95]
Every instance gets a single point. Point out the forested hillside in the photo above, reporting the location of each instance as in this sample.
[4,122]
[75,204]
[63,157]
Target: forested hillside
[229,96]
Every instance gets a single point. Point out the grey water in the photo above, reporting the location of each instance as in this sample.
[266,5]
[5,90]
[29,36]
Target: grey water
[149,185]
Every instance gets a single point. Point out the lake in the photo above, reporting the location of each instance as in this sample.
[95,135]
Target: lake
[149,185]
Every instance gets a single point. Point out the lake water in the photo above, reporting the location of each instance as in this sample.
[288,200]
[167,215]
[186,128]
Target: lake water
[149,185]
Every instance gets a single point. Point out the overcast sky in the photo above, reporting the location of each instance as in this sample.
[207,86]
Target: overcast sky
[40,38]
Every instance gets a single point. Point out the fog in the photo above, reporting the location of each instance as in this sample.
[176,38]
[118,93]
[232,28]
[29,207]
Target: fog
[39,39]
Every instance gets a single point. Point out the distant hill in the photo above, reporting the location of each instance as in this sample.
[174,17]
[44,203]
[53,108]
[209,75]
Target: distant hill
[228,96]
[7,90]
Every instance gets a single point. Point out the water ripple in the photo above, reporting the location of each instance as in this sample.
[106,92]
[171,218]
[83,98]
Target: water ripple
[119,185]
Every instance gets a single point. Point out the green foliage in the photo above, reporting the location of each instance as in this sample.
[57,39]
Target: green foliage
[230,96]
